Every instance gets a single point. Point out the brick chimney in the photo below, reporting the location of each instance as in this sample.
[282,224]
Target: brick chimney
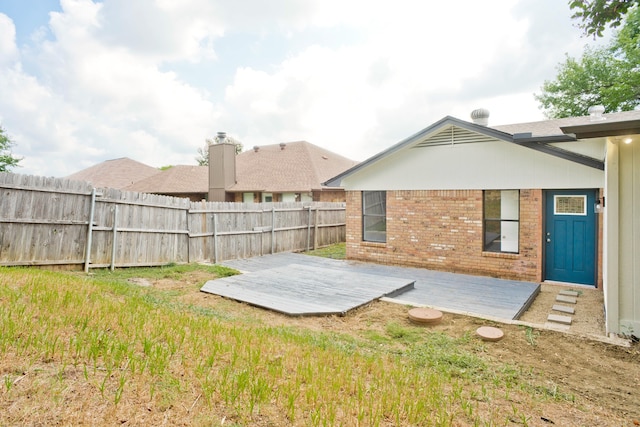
[222,171]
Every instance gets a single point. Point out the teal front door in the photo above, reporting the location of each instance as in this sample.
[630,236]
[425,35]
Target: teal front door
[570,236]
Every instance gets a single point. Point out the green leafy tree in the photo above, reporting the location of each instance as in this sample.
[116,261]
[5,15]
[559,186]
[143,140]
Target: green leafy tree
[608,76]
[596,15]
[7,160]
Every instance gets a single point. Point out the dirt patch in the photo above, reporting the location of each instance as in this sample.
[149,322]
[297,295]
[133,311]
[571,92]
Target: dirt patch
[603,378]
[588,318]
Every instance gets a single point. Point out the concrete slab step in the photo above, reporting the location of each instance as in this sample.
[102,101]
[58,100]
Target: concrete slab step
[565,320]
[569,293]
[564,309]
[557,326]
[566,299]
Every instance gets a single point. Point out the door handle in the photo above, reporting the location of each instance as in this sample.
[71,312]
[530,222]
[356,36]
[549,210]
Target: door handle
[548,240]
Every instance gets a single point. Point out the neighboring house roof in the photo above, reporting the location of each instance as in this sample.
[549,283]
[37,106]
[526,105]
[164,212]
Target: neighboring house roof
[544,136]
[116,173]
[287,167]
[180,179]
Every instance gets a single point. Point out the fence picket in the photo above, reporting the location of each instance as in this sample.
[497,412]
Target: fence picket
[52,221]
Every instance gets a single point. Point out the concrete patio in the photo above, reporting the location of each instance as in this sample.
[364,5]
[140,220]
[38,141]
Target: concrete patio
[298,284]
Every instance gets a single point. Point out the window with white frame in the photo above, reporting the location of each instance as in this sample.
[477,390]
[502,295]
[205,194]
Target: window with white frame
[374,216]
[501,220]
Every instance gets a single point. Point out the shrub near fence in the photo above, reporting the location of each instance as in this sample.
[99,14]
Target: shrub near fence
[51,221]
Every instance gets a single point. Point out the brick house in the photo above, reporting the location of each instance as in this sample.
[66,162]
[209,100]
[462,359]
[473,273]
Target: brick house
[115,173]
[285,172]
[530,201]
[177,181]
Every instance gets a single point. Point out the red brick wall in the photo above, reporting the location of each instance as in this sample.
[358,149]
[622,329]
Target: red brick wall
[329,196]
[442,230]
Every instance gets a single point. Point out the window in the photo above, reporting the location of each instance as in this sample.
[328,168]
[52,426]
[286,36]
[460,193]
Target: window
[501,220]
[374,216]
[570,205]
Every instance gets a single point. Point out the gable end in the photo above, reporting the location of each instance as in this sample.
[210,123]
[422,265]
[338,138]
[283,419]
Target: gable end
[454,135]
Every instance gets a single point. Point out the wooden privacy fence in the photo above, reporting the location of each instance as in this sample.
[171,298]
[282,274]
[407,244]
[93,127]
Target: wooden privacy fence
[51,221]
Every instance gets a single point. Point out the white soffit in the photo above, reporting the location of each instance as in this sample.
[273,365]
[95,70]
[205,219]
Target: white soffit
[595,148]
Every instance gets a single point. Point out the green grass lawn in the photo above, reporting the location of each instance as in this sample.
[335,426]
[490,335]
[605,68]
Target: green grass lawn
[79,349]
[337,251]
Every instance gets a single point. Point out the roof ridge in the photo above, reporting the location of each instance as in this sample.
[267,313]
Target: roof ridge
[316,176]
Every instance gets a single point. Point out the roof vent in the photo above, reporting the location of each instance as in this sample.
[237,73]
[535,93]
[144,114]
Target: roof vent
[480,116]
[596,112]
[221,137]
[282,145]
[256,148]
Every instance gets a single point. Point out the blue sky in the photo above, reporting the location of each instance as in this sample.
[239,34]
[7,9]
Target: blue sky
[84,81]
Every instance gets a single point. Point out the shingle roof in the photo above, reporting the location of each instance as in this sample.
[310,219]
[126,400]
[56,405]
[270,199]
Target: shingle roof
[552,127]
[116,173]
[294,166]
[542,133]
[180,179]
[299,167]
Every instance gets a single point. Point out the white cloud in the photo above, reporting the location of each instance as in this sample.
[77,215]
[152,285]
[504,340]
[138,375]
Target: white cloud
[8,49]
[116,78]
[92,101]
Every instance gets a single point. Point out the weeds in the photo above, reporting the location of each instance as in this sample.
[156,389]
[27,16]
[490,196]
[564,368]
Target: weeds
[128,343]
[531,335]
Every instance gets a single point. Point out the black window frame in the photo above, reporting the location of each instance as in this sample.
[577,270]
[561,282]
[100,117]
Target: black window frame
[491,243]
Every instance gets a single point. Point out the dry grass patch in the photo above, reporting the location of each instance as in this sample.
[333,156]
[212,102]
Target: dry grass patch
[103,350]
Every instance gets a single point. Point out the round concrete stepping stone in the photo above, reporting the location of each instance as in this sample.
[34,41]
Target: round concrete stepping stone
[426,316]
[489,333]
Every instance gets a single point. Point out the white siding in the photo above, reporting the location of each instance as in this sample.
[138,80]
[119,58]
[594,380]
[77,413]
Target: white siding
[288,197]
[629,243]
[622,239]
[492,164]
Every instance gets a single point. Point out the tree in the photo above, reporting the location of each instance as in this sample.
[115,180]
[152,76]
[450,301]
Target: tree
[595,15]
[608,76]
[7,160]
[203,152]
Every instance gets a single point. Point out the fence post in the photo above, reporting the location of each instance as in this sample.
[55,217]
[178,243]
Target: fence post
[315,230]
[90,230]
[215,238]
[309,230]
[273,228]
[114,240]
[189,232]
